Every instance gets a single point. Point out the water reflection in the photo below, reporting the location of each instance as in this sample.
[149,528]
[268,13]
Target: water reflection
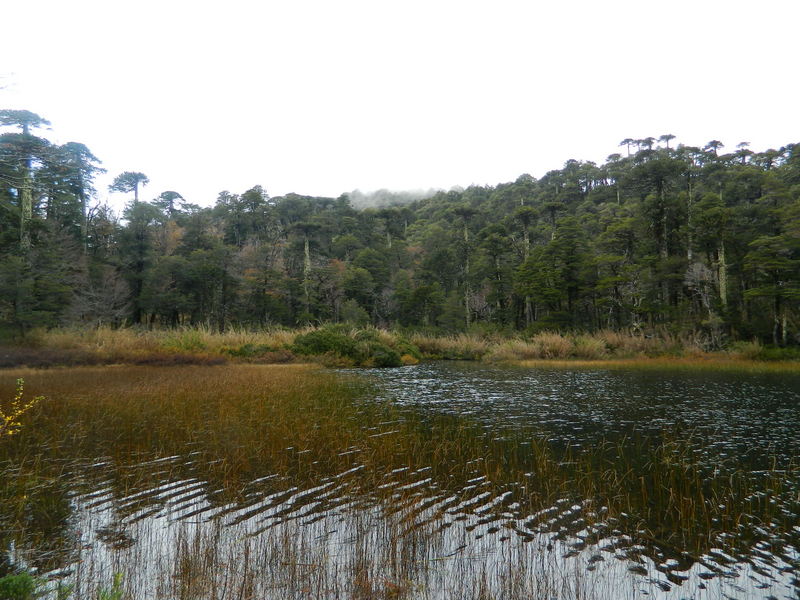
[497,521]
[751,416]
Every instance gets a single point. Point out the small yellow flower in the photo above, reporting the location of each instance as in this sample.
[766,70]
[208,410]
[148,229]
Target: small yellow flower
[9,418]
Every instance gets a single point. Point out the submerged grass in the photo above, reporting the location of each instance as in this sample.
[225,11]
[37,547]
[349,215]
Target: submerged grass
[297,427]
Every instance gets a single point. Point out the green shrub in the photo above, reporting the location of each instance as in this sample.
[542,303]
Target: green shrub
[328,339]
[404,347]
[249,350]
[376,354]
[341,345]
[775,353]
[746,350]
[18,587]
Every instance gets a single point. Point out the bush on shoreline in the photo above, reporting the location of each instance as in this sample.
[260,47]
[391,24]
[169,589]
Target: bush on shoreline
[341,345]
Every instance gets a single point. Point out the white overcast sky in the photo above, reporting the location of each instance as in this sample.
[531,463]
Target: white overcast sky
[325,96]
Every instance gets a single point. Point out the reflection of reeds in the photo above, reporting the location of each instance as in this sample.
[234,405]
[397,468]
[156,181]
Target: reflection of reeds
[227,426]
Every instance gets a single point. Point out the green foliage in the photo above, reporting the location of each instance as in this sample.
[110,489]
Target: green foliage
[352,313]
[669,236]
[22,586]
[333,339]
[115,592]
[777,353]
[363,347]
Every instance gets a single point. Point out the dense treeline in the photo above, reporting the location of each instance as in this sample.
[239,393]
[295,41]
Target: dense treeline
[685,238]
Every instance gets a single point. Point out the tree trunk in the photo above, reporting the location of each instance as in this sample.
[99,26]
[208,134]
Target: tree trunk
[84,217]
[26,209]
[689,203]
[466,291]
[307,274]
[723,275]
[776,320]
[784,329]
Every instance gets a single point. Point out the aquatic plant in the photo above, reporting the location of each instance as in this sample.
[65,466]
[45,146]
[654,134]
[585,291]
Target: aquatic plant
[241,436]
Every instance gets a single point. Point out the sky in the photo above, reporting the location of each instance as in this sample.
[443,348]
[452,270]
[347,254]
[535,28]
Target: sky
[322,97]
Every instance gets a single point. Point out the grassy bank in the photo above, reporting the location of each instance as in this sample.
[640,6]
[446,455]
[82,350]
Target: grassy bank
[334,345]
[344,346]
[243,433]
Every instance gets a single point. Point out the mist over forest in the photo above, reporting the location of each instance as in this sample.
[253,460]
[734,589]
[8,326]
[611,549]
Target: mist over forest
[700,240]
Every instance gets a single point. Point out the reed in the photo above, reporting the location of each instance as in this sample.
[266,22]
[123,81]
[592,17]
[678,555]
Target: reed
[452,347]
[248,432]
[369,346]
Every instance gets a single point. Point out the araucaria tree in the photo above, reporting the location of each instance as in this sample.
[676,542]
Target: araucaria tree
[662,236]
[129,181]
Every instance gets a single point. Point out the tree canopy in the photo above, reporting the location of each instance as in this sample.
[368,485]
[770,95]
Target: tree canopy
[667,236]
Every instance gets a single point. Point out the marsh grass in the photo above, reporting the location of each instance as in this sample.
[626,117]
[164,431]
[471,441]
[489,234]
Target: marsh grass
[298,427]
[369,346]
[452,347]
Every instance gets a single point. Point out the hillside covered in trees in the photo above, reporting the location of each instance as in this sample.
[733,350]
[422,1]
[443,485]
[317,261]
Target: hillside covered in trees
[660,236]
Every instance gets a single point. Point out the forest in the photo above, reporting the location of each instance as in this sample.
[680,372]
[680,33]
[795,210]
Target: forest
[662,236]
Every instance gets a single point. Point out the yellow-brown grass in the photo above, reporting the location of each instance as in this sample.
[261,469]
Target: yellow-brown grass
[241,422]
[452,347]
[202,345]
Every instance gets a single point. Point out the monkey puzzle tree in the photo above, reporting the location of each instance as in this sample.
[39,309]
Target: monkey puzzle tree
[26,146]
[81,167]
[129,181]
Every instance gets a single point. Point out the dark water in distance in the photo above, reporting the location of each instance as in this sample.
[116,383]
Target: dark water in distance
[751,417]
[732,423]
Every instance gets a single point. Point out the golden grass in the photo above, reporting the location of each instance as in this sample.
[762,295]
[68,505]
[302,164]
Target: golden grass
[202,345]
[452,347]
[243,418]
[241,422]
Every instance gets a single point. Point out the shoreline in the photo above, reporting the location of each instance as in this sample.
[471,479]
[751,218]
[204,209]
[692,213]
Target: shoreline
[346,346]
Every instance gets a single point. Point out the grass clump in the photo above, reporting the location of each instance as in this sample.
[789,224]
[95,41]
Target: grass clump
[513,350]
[552,345]
[545,345]
[589,347]
[452,347]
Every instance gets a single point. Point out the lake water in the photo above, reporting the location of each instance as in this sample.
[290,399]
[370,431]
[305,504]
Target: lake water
[423,534]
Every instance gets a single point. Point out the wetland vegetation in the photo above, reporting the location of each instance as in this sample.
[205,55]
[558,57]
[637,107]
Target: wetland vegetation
[344,345]
[669,240]
[627,423]
[441,480]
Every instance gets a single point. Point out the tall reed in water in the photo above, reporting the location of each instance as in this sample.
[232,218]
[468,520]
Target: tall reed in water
[237,434]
